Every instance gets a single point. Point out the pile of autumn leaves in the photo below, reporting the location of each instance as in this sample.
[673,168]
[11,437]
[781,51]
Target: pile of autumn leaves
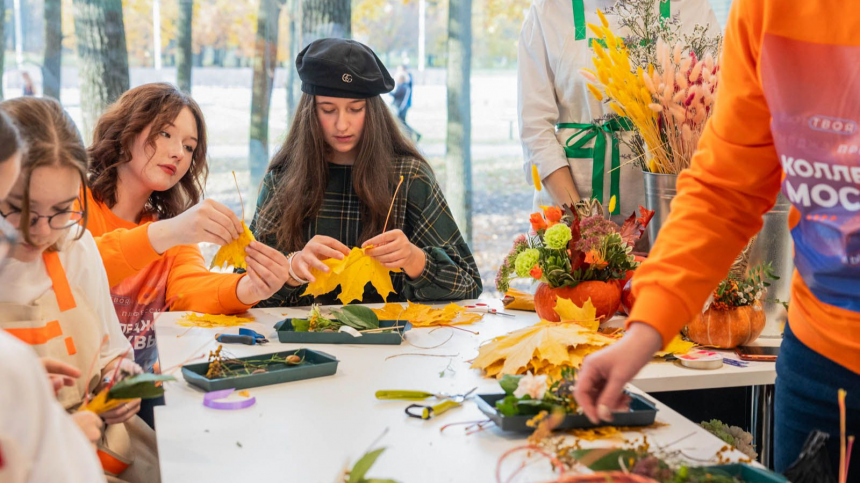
[547,347]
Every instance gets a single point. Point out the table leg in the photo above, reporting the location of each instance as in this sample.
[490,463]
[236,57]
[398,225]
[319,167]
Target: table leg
[762,423]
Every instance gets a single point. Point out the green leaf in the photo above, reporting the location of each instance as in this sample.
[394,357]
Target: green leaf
[362,466]
[139,386]
[605,459]
[508,406]
[509,383]
[301,325]
[357,317]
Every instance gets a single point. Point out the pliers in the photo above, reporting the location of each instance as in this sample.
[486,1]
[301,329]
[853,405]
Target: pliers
[448,401]
[246,336]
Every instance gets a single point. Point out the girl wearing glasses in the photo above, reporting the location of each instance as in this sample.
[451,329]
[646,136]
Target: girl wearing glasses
[55,292]
[148,167]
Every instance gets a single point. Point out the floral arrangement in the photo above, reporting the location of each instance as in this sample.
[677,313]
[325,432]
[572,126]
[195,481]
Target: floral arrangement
[529,394]
[565,248]
[664,86]
[741,291]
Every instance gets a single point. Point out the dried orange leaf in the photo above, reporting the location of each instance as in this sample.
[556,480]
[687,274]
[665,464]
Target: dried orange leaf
[100,404]
[233,253]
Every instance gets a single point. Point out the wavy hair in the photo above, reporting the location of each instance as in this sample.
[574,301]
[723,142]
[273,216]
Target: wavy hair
[150,105]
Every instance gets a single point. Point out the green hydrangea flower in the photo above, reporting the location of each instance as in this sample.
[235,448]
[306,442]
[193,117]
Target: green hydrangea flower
[557,236]
[526,261]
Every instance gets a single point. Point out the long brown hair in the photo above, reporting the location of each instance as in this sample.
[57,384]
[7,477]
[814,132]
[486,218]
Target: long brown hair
[10,138]
[157,105]
[300,169]
[51,139]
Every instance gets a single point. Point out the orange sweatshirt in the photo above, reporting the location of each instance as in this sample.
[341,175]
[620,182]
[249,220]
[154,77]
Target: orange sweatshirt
[144,283]
[786,117]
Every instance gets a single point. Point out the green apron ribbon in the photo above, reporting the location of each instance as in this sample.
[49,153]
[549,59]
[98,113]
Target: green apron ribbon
[575,147]
[579,30]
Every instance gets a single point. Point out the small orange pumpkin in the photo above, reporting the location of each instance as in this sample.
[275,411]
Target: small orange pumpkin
[606,297]
[727,329]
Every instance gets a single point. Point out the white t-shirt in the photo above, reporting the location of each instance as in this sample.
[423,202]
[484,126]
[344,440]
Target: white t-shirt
[24,283]
[39,442]
[550,90]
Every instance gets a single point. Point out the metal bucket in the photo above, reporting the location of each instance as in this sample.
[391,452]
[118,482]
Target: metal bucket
[774,245]
[659,192]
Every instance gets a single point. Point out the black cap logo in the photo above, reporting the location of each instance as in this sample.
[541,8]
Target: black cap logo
[346,78]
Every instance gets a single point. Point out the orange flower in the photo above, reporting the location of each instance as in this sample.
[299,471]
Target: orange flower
[536,272]
[593,258]
[537,221]
[552,214]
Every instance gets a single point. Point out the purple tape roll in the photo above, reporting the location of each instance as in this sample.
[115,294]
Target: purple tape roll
[212,400]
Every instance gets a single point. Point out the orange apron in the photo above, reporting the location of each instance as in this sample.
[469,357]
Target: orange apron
[59,325]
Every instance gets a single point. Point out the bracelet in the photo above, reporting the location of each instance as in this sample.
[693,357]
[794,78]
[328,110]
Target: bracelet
[292,273]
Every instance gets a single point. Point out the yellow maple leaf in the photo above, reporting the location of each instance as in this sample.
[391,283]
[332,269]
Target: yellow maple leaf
[233,253]
[352,274]
[421,315]
[100,403]
[544,348]
[208,321]
[519,300]
[585,316]
[677,346]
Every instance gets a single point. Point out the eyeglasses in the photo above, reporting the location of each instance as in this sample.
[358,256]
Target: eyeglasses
[8,238]
[57,221]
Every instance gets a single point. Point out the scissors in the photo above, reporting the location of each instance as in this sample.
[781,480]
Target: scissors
[420,411]
[486,309]
[246,336]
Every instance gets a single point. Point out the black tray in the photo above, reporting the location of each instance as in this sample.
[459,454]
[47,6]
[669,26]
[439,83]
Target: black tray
[642,413]
[395,337]
[316,364]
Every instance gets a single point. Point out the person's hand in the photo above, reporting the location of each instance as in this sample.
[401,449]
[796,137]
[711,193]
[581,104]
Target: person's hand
[393,250]
[601,380]
[60,373]
[127,368]
[267,273]
[207,221]
[319,248]
[121,413]
[90,424]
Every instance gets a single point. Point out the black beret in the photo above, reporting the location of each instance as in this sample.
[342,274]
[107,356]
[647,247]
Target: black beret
[342,68]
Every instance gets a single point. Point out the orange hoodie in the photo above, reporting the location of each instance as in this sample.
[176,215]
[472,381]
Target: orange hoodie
[144,283]
[786,117]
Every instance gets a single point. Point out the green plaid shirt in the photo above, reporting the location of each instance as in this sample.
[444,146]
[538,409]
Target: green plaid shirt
[420,210]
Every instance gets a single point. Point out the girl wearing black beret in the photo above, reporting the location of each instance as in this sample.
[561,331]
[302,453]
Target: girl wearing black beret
[330,186]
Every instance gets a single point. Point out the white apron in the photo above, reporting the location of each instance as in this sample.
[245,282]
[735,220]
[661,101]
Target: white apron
[576,105]
[59,325]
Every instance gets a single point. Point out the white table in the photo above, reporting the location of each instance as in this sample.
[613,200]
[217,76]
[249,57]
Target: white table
[305,431]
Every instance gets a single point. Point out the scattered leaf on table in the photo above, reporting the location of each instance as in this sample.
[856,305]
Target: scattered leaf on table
[585,316]
[233,253]
[425,316]
[244,393]
[352,274]
[518,300]
[544,348]
[208,321]
[677,346]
